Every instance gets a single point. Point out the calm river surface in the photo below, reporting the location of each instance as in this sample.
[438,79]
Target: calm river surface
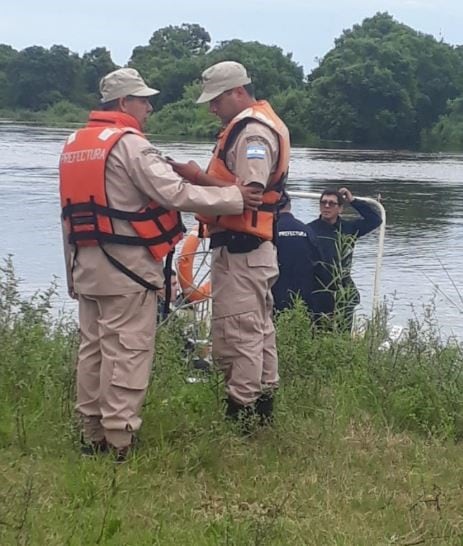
[422,194]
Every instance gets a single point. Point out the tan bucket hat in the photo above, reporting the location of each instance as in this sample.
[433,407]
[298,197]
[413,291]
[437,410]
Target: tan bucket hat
[222,77]
[122,83]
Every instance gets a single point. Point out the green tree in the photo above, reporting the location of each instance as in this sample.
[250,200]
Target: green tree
[173,59]
[293,105]
[185,117]
[271,70]
[447,133]
[95,64]
[7,57]
[382,84]
[64,67]
[274,75]
[186,40]
[41,77]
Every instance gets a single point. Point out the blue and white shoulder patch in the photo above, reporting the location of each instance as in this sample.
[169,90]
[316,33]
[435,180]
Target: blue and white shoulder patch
[255,151]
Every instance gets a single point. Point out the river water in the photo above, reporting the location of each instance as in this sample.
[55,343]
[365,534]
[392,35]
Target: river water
[422,194]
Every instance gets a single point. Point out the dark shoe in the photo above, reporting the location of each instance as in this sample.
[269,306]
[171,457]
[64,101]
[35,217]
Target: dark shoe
[121,454]
[243,416]
[202,364]
[233,409]
[264,409]
[91,449]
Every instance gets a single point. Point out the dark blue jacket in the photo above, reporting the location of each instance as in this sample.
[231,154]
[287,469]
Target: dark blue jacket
[334,245]
[295,257]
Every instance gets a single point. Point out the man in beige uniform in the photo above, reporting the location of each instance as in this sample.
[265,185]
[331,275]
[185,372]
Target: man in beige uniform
[243,334]
[117,315]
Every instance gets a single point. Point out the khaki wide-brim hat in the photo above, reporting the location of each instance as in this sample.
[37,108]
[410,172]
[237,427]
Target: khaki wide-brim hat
[222,77]
[122,83]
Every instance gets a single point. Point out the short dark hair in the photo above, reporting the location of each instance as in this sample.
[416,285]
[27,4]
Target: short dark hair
[110,105]
[332,191]
[114,104]
[249,88]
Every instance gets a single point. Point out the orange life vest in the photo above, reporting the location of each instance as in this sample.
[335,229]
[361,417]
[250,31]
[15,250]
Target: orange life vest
[261,222]
[85,210]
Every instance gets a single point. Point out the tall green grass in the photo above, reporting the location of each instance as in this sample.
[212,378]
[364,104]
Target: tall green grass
[365,449]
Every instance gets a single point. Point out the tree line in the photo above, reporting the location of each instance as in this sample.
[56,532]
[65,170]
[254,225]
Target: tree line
[383,84]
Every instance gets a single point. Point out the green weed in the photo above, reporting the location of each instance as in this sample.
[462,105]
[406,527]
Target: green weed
[364,450]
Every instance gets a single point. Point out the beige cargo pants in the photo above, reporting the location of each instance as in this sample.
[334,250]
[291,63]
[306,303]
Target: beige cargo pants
[114,363]
[243,335]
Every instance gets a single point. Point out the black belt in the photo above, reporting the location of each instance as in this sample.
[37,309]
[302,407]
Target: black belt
[236,242]
[219,239]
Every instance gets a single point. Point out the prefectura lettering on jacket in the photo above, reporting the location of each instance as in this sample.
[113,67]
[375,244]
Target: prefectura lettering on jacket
[91,154]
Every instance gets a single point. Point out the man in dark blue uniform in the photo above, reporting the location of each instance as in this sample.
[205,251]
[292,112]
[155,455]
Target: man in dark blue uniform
[335,295]
[295,256]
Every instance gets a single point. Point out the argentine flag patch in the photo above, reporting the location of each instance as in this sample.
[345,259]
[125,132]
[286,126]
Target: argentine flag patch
[254,151]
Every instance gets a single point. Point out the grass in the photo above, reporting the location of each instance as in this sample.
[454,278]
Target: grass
[365,449]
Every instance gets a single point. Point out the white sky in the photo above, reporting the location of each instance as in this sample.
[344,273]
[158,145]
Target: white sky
[307,28]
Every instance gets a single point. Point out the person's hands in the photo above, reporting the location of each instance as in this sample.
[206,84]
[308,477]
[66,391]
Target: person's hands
[189,171]
[347,194]
[252,196]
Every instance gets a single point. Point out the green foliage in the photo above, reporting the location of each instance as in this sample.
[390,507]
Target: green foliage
[173,59]
[7,57]
[41,77]
[180,41]
[270,69]
[64,112]
[174,72]
[95,64]
[447,133]
[292,105]
[36,369]
[60,114]
[4,90]
[357,447]
[36,78]
[415,385]
[382,84]
[185,118]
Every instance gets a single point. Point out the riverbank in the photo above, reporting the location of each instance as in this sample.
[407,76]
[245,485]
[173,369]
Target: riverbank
[166,125]
[365,449]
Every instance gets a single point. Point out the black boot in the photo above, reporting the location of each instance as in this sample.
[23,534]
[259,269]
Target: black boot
[91,449]
[264,408]
[243,416]
[122,454]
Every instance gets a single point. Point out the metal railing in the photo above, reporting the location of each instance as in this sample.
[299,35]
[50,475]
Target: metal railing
[201,272]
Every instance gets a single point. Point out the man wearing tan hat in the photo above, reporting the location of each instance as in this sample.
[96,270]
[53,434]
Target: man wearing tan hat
[253,149]
[119,199]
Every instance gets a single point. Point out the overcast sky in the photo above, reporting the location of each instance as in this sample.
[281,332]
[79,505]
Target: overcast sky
[307,28]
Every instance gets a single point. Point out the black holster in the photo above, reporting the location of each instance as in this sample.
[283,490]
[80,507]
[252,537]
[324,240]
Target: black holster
[236,242]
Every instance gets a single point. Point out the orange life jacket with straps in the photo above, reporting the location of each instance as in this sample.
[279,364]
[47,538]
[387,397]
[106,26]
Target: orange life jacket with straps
[261,222]
[87,215]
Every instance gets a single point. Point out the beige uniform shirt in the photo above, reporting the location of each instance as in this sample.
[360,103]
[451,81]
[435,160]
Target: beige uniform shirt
[253,157]
[135,174]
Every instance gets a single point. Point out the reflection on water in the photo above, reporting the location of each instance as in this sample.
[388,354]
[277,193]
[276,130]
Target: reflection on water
[422,194]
